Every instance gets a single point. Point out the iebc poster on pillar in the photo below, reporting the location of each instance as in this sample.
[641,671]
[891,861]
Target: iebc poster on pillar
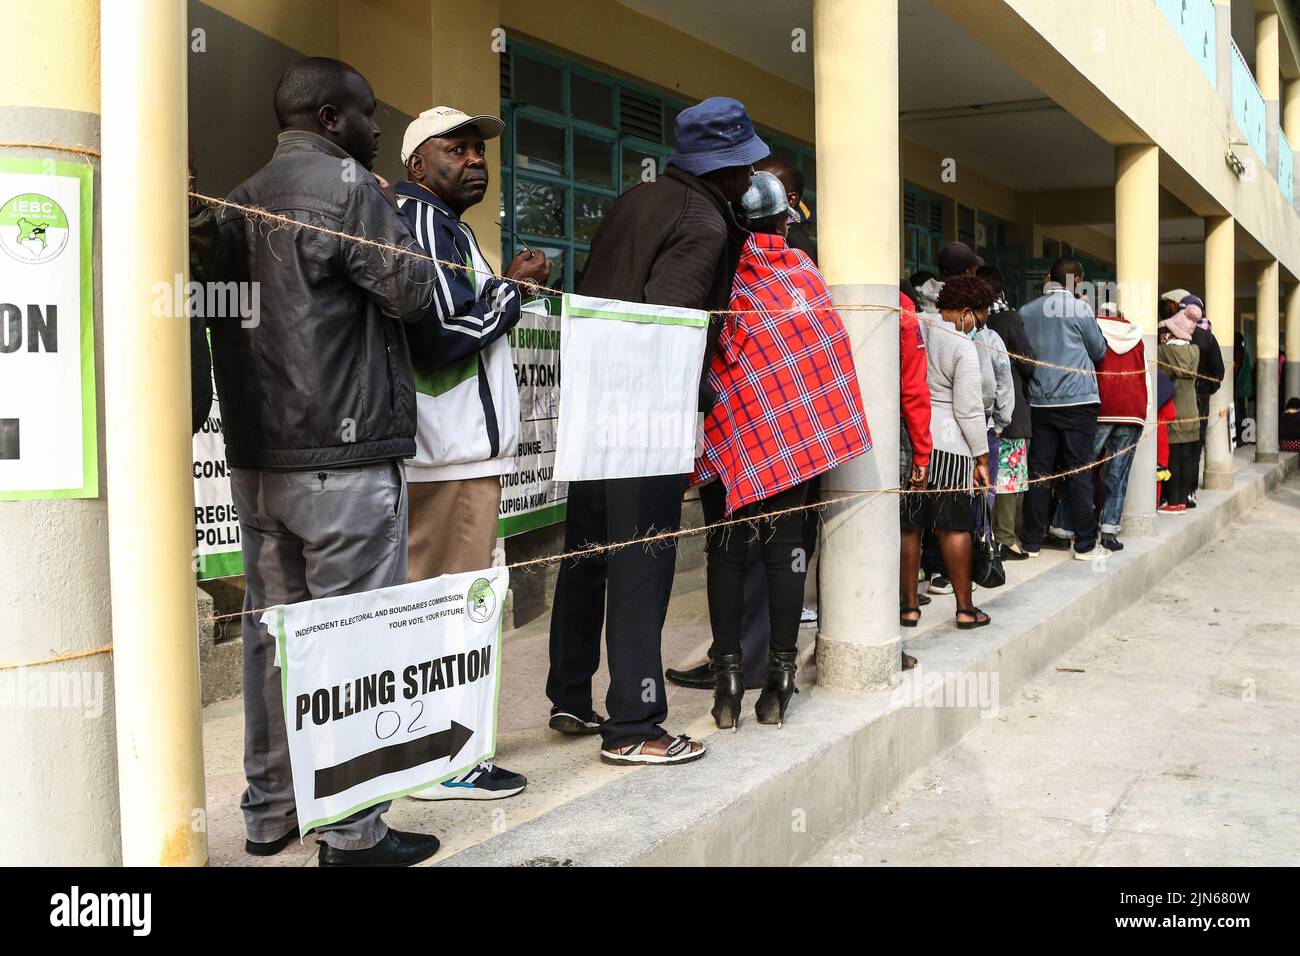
[388,691]
[48,432]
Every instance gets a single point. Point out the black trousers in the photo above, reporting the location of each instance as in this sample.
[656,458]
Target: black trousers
[783,555]
[1184,460]
[627,591]
[1070,431]
[755,623]
[1203,410]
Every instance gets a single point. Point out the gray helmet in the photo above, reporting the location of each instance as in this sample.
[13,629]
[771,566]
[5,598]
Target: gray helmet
[764,197]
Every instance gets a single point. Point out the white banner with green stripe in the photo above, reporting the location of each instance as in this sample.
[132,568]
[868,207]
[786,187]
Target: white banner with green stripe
[628,408]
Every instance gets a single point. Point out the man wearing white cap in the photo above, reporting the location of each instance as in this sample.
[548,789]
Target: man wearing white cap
[467,402]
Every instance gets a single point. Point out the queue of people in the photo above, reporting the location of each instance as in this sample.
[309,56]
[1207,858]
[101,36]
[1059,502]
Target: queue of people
[371,413]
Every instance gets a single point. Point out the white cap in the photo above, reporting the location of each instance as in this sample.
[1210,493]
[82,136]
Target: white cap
[442,120]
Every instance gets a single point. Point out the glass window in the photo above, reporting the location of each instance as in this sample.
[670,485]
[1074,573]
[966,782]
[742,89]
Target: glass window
[539,208]
[638,167]
[579,267]
[538,84]
[588,211]
[556,256]
[593,160]
[670,124]
[539,147]
[591,100]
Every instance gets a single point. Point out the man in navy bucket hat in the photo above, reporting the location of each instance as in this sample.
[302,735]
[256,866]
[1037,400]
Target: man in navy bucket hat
[671,241]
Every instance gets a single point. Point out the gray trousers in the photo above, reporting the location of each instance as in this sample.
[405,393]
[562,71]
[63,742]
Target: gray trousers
[307,535]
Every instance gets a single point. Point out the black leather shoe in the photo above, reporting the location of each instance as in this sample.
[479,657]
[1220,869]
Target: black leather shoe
[1111,543]
[395,849]
[778,688]
[728,689]
[696,678]
[270,849]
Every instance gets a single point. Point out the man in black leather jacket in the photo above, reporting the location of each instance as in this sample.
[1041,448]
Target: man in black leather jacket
[318,410]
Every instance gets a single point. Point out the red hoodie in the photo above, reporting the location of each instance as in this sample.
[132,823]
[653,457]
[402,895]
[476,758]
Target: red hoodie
[1123,397]
[915,397]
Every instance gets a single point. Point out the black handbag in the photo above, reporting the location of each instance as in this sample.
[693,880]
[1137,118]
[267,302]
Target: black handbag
[986,556]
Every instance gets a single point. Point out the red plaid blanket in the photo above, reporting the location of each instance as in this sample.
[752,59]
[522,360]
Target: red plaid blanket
[788,405]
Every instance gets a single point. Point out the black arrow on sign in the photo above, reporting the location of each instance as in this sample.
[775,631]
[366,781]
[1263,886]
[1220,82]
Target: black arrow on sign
[443,744]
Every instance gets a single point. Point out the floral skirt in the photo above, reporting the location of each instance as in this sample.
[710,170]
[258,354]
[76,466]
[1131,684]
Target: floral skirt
[1013,466]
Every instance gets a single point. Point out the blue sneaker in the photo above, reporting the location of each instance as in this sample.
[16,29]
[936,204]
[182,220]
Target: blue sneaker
[484,782]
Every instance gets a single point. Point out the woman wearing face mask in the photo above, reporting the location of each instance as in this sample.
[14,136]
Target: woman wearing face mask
[959,460]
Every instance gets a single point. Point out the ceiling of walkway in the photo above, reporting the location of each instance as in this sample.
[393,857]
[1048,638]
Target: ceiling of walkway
[956,97]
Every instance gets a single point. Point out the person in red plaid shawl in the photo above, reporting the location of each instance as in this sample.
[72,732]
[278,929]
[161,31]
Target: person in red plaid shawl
[788,409]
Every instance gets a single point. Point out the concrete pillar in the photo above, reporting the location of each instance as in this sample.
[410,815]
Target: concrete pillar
[1223,49]
[60,795]
[1268,77]
[1291,127]
[1291,384]
[858,644]
[1137,261]
[1220,308]
[147,388]
[1266,302]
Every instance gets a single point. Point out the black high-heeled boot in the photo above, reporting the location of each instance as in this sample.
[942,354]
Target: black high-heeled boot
[778,688]
[728,689]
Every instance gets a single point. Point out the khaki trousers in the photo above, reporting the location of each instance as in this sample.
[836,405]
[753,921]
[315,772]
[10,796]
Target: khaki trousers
[452,526]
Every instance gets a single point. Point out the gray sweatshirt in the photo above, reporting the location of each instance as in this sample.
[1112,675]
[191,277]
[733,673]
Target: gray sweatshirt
[995,372]
[957,423]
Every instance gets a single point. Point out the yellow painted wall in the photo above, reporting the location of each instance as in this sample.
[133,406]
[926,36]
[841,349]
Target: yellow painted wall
[30,76]
[308,25]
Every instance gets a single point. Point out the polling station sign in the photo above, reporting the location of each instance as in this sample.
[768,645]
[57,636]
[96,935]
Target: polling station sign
[48,433]
[530,495]
[388,691]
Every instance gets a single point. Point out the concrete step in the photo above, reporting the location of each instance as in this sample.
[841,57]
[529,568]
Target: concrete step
[774,797]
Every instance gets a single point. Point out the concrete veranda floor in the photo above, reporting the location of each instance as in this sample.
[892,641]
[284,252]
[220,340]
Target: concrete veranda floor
[559,769]
[1172,739]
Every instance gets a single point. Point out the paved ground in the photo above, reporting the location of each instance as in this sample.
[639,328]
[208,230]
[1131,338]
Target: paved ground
[1171,736]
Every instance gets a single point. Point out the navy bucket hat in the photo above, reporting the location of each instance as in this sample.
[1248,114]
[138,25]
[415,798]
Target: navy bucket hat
[714,134]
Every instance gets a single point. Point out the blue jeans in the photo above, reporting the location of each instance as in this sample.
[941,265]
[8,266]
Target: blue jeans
[1111,437]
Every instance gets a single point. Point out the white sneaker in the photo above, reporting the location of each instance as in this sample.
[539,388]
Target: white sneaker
[1096,554]
[808,616]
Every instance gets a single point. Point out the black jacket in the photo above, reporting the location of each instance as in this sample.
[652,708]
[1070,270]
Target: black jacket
[673,241]
[322,377]
[1211,364]
[797,237]
[1011,329]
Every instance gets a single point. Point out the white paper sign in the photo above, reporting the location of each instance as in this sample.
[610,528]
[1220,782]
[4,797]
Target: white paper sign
[530,496]
[629,404]
[388,691]
[217,549]
[48,444]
